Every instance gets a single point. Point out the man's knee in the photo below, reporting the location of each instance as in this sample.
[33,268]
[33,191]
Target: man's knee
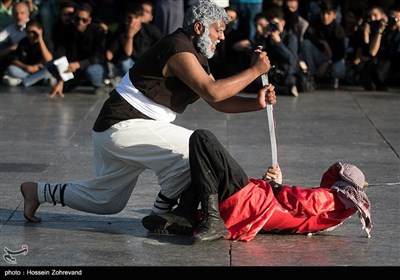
[201,134]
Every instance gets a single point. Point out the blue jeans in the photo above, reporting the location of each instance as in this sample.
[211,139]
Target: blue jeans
[314,58]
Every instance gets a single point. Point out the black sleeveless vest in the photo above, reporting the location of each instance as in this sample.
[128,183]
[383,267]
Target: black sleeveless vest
[146,76]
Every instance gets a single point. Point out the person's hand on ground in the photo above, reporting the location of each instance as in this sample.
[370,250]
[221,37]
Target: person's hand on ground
[57,89]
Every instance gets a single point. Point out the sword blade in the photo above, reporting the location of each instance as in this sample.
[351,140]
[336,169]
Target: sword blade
[271,125]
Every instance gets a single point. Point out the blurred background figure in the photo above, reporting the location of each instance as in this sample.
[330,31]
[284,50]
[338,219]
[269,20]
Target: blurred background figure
[83,44]
[247,10]
[281,47]
[12,34]
[132,39]
[168,15]
[383,68]
[324,46]
[148,11]
[32,53]
[294,22]
[63,22]
[6,17]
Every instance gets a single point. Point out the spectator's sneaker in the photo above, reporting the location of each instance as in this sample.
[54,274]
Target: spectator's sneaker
[102,91]
[11,81]
[366,83]
[381,88]
[294,91]
[116,80]
[336,83]
[52,81]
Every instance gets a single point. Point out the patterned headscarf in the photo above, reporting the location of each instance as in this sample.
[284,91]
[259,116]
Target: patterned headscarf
[351,192]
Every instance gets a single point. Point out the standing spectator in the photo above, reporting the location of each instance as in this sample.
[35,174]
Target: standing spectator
[324,45]
[32,53]
[168,15]
[12,34]
[47,15]
[6,17]
[247,10]
[132,39]
[44,11]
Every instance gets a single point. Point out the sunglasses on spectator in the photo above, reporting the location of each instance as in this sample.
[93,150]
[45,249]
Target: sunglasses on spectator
[83,20]
[68,14]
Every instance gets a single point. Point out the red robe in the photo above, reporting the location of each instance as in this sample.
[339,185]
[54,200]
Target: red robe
[294,210]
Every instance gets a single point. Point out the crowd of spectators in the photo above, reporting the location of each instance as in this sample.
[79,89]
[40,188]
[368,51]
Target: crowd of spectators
[332,42]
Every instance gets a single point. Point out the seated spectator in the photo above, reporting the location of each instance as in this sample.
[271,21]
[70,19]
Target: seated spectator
[282,49]
[324,45]
[83,44]
[131,40]
[12,34]
[360,29]
[384,48]
[353,26]
[294,22]
[107,14]
[32,53]
[148,11]
[65,19]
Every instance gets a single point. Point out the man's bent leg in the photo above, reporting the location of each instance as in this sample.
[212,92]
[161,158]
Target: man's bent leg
[211,174]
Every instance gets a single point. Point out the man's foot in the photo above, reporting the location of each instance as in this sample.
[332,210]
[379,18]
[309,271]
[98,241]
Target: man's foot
[31,202]
[336,83]
[167,223]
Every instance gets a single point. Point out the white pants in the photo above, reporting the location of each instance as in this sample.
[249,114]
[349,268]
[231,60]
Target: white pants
[121,154]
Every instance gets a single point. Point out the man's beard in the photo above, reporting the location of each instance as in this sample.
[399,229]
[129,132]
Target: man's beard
[204,43]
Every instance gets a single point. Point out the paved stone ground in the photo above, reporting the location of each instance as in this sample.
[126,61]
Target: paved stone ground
[49,140]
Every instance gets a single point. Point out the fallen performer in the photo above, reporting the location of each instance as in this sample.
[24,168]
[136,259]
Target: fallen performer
[237,208]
